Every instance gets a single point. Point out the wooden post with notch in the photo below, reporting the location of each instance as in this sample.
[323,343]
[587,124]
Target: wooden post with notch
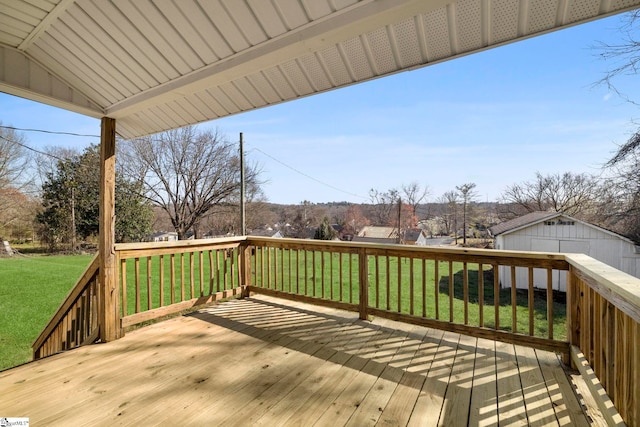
[109,307]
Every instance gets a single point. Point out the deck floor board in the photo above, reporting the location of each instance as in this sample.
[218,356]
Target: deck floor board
[264,361]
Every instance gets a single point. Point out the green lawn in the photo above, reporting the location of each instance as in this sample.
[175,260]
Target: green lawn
[184,288]
[31,289]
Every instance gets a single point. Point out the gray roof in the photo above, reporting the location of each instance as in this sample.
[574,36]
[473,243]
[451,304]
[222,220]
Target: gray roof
[522,221]
[412,234]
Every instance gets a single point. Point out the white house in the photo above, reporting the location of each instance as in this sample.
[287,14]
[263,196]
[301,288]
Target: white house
[558,232]
[163,236]
[267,233]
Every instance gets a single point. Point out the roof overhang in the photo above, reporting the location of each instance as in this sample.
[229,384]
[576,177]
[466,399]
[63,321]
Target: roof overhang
[157,65]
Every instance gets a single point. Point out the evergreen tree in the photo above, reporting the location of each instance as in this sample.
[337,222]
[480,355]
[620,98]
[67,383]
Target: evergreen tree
[325,231]
[70,201]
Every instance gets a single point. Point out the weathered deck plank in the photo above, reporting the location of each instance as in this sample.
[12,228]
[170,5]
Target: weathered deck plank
[261,361]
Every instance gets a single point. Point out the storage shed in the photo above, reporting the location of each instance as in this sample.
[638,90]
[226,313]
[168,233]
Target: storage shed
[558,232]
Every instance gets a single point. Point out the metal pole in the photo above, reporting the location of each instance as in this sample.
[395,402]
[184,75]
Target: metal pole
[399,218]
[243,225]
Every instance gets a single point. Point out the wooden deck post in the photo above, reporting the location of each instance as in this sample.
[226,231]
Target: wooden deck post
[363,280]
[573,315]
[108,294]
[245,268]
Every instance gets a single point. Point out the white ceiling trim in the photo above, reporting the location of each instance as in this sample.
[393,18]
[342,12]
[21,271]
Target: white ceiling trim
[21,76]
[44,25]
[328,31]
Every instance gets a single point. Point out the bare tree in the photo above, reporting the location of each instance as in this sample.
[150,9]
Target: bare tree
[624,55]
[619,195]
[355,220]
[223,219]
[17,211]
[188,173]
[13,157]
[449,217]
[384,205]
[46,162]
[414,195]
[468,195]
[571,193]
[619,206]
[14,182]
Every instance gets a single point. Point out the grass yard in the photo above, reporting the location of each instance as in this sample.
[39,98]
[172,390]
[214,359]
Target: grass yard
[31,289]
[155,275]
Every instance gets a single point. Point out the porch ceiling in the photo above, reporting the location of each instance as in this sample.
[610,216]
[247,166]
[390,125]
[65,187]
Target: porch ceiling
[160,64]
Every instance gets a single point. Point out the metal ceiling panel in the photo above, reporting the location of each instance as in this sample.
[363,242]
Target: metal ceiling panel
[159,64]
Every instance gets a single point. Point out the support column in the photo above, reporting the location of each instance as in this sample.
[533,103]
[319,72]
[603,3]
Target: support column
[109,296]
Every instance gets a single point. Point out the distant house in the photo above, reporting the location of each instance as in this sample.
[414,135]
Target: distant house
[558,232]
[376,232]
[266,233]
[389,235]
[163,236]
[415,236]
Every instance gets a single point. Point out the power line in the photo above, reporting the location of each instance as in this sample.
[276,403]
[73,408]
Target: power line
[50,132]
[31,148]
[309,176]
[98,136]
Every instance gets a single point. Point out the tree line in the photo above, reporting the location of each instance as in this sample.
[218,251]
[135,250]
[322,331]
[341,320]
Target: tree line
[187,181]
[187,175]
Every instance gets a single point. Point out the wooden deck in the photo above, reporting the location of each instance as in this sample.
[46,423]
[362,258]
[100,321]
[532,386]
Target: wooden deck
[264,361]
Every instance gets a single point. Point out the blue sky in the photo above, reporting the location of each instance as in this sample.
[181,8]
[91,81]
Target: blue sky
[494,118]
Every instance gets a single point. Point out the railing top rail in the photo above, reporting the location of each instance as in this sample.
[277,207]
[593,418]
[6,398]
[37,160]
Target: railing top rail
[408,249]
[134,250]
[620,288]
[178,243]
[418,251]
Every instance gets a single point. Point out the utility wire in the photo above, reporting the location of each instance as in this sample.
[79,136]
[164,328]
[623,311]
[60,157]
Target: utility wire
[31,148]
[98,136]
[50,132]
[309,176]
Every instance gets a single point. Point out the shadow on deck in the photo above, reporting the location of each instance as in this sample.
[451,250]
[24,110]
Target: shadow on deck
[263,361]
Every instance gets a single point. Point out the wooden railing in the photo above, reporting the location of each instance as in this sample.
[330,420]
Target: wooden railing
[461,290]
[75,323]
[160,279]
[604,333]
[452,289]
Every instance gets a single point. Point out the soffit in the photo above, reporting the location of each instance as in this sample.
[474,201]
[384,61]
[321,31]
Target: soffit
[160,64]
